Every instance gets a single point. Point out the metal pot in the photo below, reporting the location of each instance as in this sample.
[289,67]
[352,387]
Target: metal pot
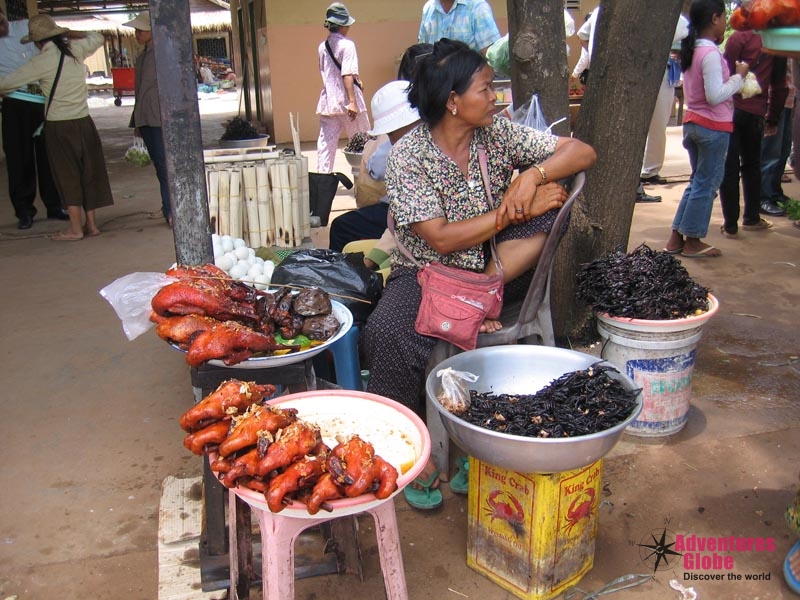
[525,369]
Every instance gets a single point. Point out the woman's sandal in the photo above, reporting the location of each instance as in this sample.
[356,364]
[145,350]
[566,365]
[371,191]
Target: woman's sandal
[460,482]
[428,497]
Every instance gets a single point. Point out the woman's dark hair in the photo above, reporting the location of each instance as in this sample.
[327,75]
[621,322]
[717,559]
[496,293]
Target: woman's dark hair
[449,68]
[62,43]
[700,14]
[410,60]
[332,27]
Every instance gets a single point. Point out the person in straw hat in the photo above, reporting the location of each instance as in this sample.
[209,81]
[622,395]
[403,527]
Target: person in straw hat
[341,103]
[146,117]
[26,158]
[74,149]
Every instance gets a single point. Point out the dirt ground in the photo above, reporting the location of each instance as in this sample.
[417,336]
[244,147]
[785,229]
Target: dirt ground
[90,418]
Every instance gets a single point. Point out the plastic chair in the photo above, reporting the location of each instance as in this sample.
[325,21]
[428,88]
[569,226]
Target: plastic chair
[528,321]
[279,533]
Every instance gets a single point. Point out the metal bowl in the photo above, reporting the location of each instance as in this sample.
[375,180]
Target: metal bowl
[258,142]
[525,369]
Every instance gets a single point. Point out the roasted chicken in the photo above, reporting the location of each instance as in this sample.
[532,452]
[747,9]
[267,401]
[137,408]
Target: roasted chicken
[208,438]
[766,14]
[354,466]
[182,329]
[257,419]
[300,474]
[290,444]
[202,297]
[325,489]
[230,398]
[230,342]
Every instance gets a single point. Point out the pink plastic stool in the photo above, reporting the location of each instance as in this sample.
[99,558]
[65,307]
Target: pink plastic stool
[278,535]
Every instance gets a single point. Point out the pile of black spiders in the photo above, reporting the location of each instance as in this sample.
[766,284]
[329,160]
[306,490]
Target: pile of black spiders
[643,284]
[577,403]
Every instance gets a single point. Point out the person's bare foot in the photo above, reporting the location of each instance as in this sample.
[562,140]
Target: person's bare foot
[694,248]
[91,232]
[426,474]
[66,236]
[675,243]
[490,326]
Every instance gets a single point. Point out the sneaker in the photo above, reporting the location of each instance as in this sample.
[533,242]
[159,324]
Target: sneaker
[762,224]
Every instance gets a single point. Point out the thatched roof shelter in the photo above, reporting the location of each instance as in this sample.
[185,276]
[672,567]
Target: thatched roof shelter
[202,22]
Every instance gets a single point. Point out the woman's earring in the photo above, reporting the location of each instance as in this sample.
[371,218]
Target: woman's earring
[454,112]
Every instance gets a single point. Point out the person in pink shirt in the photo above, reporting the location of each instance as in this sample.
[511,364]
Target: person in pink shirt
[341,103]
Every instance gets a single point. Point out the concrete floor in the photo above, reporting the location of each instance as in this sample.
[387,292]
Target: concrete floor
[91,432]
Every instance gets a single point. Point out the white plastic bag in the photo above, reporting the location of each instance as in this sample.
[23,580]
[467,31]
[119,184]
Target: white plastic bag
[750,87]
[137,153]
[531,114]
[454,396]
[131,298]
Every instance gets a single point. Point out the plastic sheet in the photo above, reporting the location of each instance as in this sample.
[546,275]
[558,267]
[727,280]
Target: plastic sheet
[131,298]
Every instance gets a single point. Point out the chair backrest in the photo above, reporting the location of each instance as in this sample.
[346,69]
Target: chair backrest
[539,289]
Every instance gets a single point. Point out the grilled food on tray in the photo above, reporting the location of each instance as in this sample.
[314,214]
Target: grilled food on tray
[270,449]
[212,316]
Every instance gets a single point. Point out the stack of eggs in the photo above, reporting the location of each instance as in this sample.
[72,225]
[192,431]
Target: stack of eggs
[240,262]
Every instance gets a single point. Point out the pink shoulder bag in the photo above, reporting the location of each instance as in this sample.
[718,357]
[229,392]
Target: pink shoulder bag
[455,302]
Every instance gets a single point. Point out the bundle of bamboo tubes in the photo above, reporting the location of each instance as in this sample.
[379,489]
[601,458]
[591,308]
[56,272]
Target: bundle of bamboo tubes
[261,197]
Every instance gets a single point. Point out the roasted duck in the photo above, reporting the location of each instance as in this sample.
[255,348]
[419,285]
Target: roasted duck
[230,342]
[202,297]
[230,398]
[325,489]
[300,474]
[183,329]
[245,429]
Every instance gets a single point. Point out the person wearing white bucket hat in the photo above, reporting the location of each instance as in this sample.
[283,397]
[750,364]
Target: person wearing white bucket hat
[74,148]
[394,117]
[341,102]
[146,117]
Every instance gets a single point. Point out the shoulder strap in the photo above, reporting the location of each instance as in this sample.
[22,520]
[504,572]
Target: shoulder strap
[333,58]
[55,85]
[492,243]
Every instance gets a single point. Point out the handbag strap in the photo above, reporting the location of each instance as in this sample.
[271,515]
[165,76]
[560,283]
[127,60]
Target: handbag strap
[55,85]
[492,243]
[333,58]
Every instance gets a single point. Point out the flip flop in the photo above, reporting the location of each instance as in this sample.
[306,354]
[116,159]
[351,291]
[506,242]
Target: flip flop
[676,251]
[427,498]
[704,253]
[459,484]
[791,580]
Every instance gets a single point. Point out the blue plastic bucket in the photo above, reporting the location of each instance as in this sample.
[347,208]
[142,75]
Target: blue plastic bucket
[659,357]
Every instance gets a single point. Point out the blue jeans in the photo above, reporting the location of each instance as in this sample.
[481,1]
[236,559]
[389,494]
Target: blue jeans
[707,149]
[775,151]
[154,140]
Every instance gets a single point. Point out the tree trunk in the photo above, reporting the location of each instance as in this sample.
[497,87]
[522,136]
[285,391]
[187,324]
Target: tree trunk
[538,57]
[631,48]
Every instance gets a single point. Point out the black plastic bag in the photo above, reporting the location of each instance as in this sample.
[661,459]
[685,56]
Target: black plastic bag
[336,273]
[321,191]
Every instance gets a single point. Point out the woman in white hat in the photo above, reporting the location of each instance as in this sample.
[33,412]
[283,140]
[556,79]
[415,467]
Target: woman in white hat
[74,149]
[341,103]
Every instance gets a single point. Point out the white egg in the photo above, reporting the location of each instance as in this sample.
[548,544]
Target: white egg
[239,243]
[254,270]
[217,248]
[259,260]
[238,271]
[251,253]
[241,252]
[224,262]
[263,280]
[269,267]
[214,237]
[227,243]
[244,264]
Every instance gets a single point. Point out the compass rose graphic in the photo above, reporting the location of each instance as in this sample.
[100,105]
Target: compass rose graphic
[655,549]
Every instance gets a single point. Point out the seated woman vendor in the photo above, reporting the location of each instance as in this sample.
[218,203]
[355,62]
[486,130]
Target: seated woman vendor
[442,212]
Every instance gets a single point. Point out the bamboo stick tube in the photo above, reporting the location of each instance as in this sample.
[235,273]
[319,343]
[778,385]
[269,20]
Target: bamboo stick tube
[250,193]
[235,214]
[265,218]
[297,223]
[212,177]
[286,197]
[305,203]
[277,202]
[223,223]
